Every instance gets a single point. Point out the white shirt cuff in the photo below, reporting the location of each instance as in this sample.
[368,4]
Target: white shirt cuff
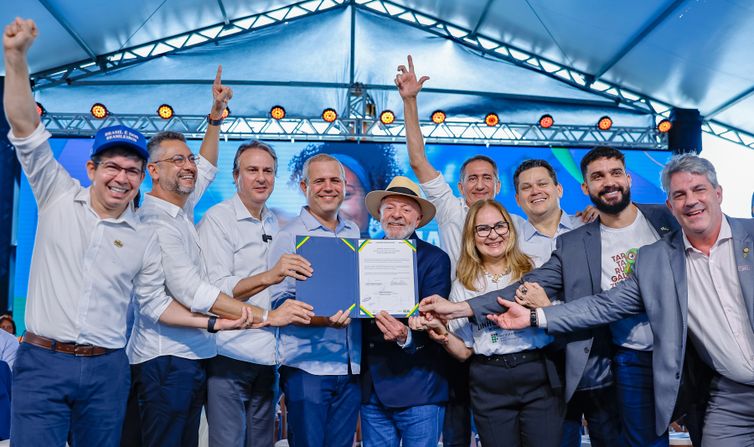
[541,319]
[204,298]
[407,343]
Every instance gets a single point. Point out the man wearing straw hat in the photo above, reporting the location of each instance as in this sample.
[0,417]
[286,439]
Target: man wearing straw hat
[403,385]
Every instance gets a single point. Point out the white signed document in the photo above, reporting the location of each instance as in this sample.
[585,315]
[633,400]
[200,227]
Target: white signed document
[387,276]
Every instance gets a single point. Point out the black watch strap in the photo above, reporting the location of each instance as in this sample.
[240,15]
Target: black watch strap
[214,122]
[211,325]
[533,320]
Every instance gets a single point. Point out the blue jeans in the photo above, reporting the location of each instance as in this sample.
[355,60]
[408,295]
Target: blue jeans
[418,426]
[633,374]
[322,410]
[56,394]
[171,392]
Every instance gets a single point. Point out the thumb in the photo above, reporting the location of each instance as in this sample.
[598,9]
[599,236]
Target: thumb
[423,79]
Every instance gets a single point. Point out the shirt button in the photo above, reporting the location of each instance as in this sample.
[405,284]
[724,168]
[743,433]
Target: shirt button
[677,376]
[586,350]
[371,345]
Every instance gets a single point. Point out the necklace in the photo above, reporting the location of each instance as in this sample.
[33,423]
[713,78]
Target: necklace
[495,277]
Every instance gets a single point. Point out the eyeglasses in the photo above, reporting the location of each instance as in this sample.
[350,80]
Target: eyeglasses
[180,160]
[113,169]
[501,228]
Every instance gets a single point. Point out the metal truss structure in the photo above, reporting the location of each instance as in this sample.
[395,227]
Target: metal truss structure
[367,130]
[484,45]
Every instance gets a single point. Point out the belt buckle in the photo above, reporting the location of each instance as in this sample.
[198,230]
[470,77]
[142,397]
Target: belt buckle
[83,350]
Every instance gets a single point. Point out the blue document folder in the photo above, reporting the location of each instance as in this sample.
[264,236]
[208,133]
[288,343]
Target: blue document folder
[334,285]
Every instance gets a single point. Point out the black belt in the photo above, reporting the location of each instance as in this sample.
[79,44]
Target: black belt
[510,360]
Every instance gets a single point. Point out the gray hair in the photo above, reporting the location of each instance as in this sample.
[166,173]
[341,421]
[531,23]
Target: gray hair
[693,164]
[320,157]
[255,144]
[153,146]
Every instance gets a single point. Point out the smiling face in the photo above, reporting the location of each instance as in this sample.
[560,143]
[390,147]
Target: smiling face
[608,185]
[255,178]
[478,182]
[537,194]
[399,216]
[167,174]
[494,245]
[325,189]
[696,204]
[115,183]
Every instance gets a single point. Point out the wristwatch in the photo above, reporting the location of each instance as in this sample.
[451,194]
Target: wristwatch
[533,320]
[214,122]
[211,325]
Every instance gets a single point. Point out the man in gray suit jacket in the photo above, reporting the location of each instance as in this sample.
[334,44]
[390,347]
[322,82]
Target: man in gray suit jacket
[586,261]
[696,285]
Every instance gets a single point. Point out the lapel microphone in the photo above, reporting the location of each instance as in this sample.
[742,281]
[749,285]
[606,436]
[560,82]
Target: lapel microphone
[266,237]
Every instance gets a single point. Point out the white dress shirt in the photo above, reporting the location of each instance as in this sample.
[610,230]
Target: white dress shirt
[233,249]
[485,337]
[718,321]
[84,268]
[451,215]
[186,278]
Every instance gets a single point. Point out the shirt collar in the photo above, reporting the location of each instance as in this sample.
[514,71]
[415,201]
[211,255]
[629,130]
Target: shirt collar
[566,221]
[243,213]
[311,223]
[171,209]
[84,195]
[725,234]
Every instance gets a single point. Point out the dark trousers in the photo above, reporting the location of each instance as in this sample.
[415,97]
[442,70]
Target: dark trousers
[240,406]
[514,404]
[322,410]
[171,392]
[600,408]
[456,430]
[131,435]
[56,394]
[633,375]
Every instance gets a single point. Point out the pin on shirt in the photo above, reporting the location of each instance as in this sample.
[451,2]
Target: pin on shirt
[746,252]
[118,243]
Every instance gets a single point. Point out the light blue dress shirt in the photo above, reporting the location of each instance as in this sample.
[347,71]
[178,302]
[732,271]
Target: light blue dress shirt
[319,351]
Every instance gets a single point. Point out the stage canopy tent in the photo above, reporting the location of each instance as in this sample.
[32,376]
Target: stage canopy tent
[577,60]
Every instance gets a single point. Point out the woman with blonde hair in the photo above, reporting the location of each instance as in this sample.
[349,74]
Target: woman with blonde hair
[514,388]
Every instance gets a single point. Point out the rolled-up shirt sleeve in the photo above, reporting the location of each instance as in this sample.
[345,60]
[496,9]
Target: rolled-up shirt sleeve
[218,254]
[149,284]
[282,244]
[182,276]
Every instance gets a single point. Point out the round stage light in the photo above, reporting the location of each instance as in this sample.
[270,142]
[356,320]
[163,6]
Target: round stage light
[165,111]
[226,113]
[40,109]
[546,121]
[277,112]
[329,115]
[664,126]
[438,117]
[99,111]
[387,117]
[491,119]
[605,123]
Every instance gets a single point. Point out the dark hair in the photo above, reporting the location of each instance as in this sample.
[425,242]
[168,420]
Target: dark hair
[119,151]
[254,144]
[377,160]
[598,153]
[531,164]
[9,318]
[478,158]
[154,143]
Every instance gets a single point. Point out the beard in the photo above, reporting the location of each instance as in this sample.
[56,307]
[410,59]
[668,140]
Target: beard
[395,233]
[614,208]
[174,185]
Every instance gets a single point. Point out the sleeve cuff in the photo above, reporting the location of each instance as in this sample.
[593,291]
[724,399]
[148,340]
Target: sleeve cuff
[155,311]
[409,341]
[204,298]
[207,169]
[36,138]
[541,319]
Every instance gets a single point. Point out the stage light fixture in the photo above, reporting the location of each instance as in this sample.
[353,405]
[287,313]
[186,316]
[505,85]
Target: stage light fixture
[277,112]
[387,117]
[546,121]
[165,111]
[664,126]
[99,111]
[438,117]
[329,115]
[491,119]
[40,109]
[605,123]
[226,113]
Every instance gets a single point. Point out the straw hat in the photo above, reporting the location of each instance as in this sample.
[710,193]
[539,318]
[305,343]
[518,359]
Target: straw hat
[400,186]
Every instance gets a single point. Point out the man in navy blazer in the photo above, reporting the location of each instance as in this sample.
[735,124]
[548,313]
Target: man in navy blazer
[404,389]
[608,370]
[697,288]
